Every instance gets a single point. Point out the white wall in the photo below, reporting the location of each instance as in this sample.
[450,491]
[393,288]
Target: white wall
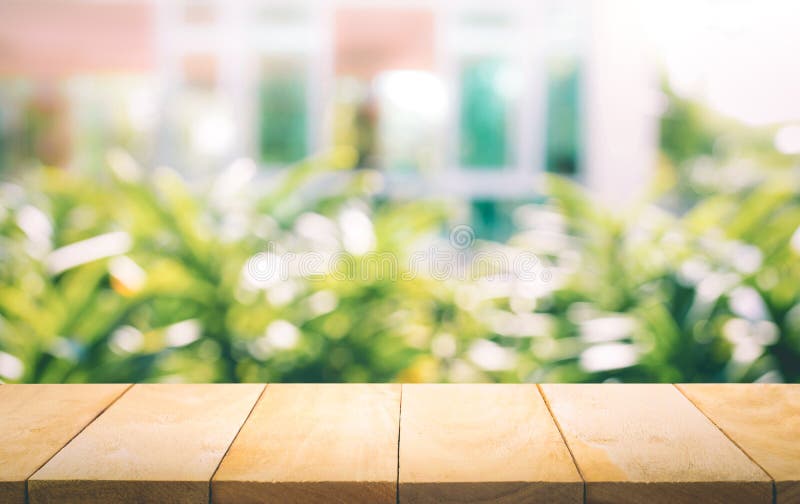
[621,104]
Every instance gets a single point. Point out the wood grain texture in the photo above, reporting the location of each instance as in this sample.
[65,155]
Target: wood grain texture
[315,444]
[764,420]
[482,443]
[157,443]
[648,443]
[38,420]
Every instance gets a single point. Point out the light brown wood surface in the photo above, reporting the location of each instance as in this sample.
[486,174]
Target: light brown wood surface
[482,443]
[648,443]
[315,444]
[157,443]
[764,420]
[385,443]
[38,420]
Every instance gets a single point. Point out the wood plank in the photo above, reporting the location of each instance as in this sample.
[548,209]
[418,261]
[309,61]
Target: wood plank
[482,443]
[764,420]
[648,443]
[157,443]
[310,443]
[38,420]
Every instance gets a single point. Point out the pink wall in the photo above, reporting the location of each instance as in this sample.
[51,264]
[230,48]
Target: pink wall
[371,40]
[52,38]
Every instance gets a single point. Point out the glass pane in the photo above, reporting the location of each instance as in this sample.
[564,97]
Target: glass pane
[202,128]
[492,218]
[484,114]
[43,131]
[199,12]
[108,111]
[355,120]
[282,14]
[389,104]
[563,116]
[283,113]
[15,146]
[412,113]
[564,35]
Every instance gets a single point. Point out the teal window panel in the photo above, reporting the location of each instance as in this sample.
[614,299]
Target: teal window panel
[563,134]
[484,115]
[283,115]
[492,219]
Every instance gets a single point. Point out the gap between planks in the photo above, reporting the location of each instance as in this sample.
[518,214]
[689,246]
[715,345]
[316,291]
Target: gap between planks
[399,433]
[563,438]
[211,479]
[90,422]
[737,445]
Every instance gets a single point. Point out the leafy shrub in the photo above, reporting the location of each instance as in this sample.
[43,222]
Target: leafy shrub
[134,276]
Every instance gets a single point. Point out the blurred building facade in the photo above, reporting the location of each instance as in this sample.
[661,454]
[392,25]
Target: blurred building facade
[470,99]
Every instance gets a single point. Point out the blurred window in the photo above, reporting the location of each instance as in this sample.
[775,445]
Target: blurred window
[110,111]
[45,132]
[412,107]
[283,112]
[199,12]
[484,113]
[200,114]
[200,70]
[492,218]
[564,32]
[14,147]
[389,105]
[563,116]
[282,15]
[4,154]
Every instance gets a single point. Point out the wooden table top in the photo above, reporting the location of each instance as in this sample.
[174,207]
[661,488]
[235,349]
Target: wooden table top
[310,443]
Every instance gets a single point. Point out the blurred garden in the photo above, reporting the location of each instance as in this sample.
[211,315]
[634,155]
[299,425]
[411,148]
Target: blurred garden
[115,267]
[136,275]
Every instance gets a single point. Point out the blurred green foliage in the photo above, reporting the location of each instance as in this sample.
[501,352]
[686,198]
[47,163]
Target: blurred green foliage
[135,275]
[182,307]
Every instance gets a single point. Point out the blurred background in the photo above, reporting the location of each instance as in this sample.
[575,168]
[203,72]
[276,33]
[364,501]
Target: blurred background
[153,153]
